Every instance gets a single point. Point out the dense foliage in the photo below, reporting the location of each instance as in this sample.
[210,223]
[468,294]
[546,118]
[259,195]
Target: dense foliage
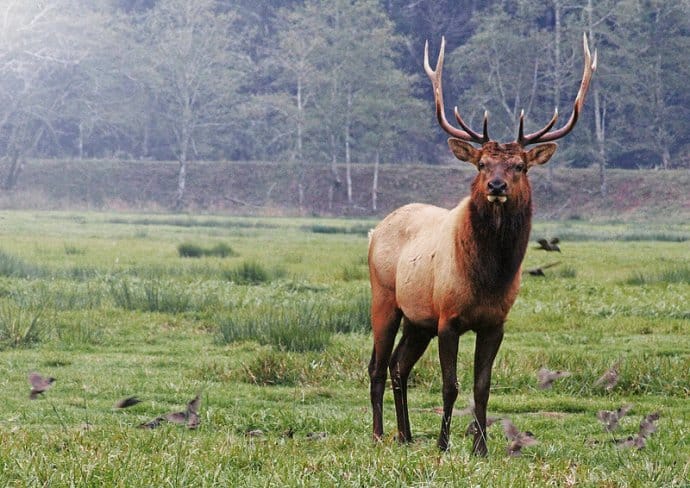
[314,82]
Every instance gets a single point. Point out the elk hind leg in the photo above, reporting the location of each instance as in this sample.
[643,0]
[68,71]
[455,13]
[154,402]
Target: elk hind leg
[412,345]
[385,321]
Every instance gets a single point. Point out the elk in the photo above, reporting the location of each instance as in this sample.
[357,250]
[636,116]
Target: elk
[443,272]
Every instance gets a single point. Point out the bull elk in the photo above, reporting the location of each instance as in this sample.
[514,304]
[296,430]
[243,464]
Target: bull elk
[443,272]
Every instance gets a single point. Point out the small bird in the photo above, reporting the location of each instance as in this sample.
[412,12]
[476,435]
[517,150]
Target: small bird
[127,402]
[316,436]
[255,433]
[546,377]
[610,418]
[636,441]
[550,245]
[539,271]
[517,440]
[647,425]
[39,384]
[189,416]
[610,377]
[152,424]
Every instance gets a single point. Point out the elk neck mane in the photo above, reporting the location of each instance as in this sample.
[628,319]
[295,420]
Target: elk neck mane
[494,240]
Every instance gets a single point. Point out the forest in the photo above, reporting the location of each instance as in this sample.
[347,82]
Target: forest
[335,82]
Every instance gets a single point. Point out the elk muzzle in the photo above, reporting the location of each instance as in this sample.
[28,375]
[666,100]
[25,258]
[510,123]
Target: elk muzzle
[497,190]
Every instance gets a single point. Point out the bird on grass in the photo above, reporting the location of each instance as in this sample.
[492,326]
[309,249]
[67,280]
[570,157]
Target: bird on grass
[546,377]
[39,384]
[127,402]
[610,418]
[516,439]
[549,245]
[190,416]
[610,377]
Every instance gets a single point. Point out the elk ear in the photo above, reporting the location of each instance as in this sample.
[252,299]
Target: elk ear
[540,154]
[464,151]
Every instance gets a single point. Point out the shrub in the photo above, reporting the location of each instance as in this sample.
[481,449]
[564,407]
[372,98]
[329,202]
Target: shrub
[188,250]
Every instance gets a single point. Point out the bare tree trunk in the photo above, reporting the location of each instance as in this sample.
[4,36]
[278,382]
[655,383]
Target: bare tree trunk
[557,73]
[348,162]
[600,135]
[181,182]
[300,118]
[80,142]
[182,172]
[335,179]
[375,182]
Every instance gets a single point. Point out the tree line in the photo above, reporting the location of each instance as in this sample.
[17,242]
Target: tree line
[339,82]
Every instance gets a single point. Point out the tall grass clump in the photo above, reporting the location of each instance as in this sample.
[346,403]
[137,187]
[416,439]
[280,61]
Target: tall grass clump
[12,266]
[19,326]
[294,327]
[150,296]
[353,315]
[252,273]
[672,275]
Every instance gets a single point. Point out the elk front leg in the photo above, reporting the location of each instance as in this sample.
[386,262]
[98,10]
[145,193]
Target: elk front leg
[412,345]
[448,337]
[488,341]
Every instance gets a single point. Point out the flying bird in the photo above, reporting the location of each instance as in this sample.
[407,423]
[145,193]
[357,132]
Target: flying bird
[546,377]
[610,418]
[610,377]
[549,245]
[127,402]
[539,271]
[472,426]
[647,428]
[647,425]
[516,439]
[39,384]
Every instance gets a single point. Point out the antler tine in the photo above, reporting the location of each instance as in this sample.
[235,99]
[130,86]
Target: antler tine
[435,77]
[523,140]
[475,136]
[543,135]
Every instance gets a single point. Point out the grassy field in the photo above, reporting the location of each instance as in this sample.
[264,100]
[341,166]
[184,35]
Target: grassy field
[267,320]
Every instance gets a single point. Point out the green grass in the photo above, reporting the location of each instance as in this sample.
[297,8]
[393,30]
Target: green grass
[278,340]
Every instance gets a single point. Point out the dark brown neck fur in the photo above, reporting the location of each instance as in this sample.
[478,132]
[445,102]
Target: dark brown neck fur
[496,236]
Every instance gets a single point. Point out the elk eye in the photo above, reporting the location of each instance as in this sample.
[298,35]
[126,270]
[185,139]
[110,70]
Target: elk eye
[481,166]
[519,168]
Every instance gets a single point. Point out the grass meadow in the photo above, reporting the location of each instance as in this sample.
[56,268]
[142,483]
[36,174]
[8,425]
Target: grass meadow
[267,320]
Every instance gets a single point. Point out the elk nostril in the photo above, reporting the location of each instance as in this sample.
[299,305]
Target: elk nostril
[498,186]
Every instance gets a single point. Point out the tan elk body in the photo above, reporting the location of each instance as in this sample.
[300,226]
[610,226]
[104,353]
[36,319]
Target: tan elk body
[443,272]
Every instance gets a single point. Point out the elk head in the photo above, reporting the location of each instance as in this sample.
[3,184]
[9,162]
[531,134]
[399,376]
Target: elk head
[503,168]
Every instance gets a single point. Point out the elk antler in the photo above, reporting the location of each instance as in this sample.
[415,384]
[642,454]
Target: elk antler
[543,135]
[435,76]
